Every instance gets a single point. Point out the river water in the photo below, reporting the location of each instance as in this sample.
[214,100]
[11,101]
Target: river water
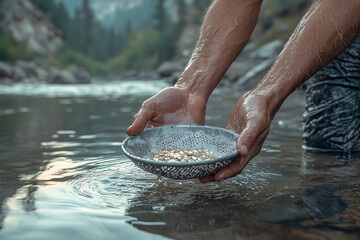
[63,174]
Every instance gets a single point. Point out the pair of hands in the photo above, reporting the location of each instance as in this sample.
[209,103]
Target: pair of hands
[250,118]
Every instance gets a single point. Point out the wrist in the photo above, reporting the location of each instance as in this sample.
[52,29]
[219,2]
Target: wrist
[279,82]
[198,83]
[274,94]
[191,93]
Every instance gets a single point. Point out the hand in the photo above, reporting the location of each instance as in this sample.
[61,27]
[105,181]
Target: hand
[173,105]
[251,118]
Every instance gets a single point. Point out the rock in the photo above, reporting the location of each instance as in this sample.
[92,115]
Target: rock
[269,50]
[28,25]
[225,82]
[170,67]
[41,74]
[5,80]
[173,78]
[248,48]
[254,75]
[18,73]
[148,75]
[5,70]
[27,67]
[130,74]
[61,77]
[239,69]
[30,72]
[284,208]
[71,76]
[30,79]
[80,75]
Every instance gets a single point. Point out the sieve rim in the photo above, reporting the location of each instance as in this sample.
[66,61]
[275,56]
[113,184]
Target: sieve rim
[179,164]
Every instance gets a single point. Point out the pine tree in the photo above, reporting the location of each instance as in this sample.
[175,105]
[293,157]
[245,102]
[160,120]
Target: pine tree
[46,7]
[201,6]
[61,20]
[181,10]
[160,15]
[99,42]
[111,43]
[76,41]
[88,27]
[128,29]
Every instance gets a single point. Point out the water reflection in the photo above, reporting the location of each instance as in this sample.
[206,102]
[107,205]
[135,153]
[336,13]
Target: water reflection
[254,204]
[43,144]
[335,174]
[63,175]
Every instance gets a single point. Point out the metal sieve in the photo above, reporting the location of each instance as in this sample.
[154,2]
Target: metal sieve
[221,142]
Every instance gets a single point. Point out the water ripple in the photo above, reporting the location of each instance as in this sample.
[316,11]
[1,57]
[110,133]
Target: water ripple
[112,185]
[122,184]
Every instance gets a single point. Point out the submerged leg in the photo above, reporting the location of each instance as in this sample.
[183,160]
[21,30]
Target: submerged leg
[332,117]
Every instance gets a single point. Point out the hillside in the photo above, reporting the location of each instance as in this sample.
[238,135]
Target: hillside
[124,37]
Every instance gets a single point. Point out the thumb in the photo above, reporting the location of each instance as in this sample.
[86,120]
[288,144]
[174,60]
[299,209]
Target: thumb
[141,119]
[247,139]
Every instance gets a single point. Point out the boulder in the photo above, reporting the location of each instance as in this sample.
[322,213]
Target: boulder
[269,50]
[166,69]
[28,25]
[30,79]
[148,75]
[18,73]
[255,74]
[40,73]
[27,67]
[5,70]
[239,69]
[30,72]
[80,75]
[173,78]
[61,77]
[5,80]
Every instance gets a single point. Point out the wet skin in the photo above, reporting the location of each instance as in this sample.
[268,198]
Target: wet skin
[325,31]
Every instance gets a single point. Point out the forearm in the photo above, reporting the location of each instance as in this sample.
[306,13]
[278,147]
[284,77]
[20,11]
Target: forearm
[226,30]
[324,32]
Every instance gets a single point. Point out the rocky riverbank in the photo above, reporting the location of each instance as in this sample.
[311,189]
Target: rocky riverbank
[30,72]
[29,26]
[246,71]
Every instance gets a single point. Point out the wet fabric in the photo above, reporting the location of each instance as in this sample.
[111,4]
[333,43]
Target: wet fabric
[332,117]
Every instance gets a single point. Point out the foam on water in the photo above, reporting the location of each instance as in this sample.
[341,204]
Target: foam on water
[104,90]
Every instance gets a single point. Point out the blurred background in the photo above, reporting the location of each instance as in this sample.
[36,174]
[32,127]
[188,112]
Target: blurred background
[73,41]
[73,73]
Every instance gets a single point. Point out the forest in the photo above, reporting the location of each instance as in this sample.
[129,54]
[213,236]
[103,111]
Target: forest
[104,50]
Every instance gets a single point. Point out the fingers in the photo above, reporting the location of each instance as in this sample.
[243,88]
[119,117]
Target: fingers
[206,179]
[233,169]
[238,164]
[141,119]
[247,138]
[251,119]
